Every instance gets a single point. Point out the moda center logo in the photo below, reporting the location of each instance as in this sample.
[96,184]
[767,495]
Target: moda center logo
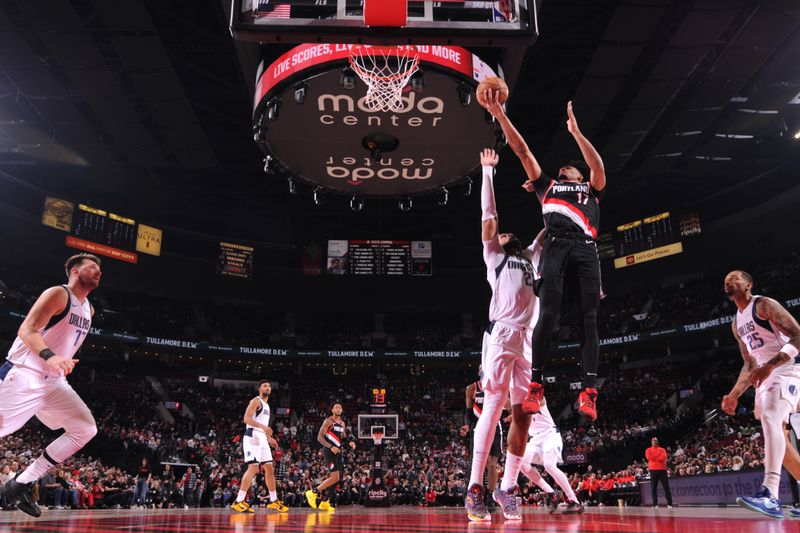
[428,111]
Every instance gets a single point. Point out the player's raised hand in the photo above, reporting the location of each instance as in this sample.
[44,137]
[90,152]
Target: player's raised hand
[572,123]
[61,364]
[489,158]
[529,186]
[492,103]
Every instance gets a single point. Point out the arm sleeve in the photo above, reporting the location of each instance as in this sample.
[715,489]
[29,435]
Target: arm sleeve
[488,208]
[491,248]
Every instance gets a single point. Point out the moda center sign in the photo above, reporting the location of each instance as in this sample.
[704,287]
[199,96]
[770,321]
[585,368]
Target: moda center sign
[331,138]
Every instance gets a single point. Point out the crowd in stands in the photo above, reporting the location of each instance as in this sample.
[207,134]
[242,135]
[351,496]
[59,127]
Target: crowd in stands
[255,323]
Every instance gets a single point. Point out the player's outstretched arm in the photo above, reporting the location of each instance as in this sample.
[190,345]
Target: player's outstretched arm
[590,155]
[770,310]
[489,160]
[513,137]
[730,400]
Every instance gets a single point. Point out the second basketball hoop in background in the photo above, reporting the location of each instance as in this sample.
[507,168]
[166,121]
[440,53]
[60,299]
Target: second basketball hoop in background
[492,84]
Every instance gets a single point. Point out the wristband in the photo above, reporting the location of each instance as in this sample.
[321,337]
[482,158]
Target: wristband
[46,354]
[790,350]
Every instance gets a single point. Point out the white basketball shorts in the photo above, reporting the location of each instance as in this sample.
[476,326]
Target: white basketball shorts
[506,361]
[256,448]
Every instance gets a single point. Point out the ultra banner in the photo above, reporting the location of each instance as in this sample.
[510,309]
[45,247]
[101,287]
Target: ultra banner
[293,352]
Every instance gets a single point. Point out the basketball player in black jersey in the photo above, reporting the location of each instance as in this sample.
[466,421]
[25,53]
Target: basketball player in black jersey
[571,210]
[472,412]
[331,436]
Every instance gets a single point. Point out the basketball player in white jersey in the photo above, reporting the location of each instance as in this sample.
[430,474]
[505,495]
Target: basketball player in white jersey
[544,449]
[257,452]
[33,378]
[331,437]
[506,359]
[769,341]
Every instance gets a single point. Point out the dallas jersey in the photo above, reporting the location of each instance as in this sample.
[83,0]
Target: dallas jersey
[762,338]
[542,426]
[512,280]
[262,415]
[64,335]
[569,206]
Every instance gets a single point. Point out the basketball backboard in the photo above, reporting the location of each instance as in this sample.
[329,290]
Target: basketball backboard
[461,22]
[389,423]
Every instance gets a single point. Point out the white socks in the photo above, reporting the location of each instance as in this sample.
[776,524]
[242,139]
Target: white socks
[241,496]
[511,472]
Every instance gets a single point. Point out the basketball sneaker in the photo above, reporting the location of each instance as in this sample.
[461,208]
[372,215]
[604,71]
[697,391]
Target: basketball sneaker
[763,502]
[552,503]
[587,403]
[22,495]
[574,508]
[475,505]
[532,403]
[794,512]
[242,507]
[312,497]
[507,500]
[325,505]
[278,505]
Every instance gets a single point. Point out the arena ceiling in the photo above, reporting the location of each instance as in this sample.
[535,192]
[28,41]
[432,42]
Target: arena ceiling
[143,107]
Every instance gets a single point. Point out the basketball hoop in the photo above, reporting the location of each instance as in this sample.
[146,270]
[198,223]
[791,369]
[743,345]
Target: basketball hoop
[386,71]
[377,437]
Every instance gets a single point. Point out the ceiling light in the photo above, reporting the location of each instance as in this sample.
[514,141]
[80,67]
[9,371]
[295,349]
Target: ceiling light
[797,135]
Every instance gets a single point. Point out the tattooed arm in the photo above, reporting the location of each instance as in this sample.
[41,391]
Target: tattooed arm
[770,310]
[730,400]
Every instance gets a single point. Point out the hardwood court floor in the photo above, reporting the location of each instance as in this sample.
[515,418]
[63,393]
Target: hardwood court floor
[395,520]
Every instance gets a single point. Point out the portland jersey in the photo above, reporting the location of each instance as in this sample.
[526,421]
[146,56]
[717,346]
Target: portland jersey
[262,415]
[762,338]
[477,399]
[569,206]
[64,335]
[335,433]
[512,279]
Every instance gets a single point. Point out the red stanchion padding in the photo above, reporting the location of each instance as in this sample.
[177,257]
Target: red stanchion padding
[391,13]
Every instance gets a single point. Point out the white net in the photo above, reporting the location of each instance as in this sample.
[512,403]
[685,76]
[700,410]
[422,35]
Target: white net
[385,70]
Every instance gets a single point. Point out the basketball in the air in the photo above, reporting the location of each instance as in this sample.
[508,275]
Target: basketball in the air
[492,84]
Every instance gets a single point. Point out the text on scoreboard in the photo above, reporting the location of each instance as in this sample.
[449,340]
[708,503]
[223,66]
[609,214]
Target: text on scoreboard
[379,257]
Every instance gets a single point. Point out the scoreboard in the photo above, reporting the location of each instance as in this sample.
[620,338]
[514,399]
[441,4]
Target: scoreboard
[379,257]
[105,228]
[653,237]
[641,235]
[100,232]
[235,260]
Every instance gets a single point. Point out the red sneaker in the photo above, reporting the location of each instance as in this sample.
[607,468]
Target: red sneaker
[532,403]
[587,403]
